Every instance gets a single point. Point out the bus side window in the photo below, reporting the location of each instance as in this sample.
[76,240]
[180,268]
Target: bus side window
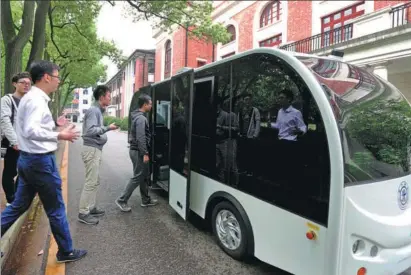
[225,147]
[282,153]
[203,129]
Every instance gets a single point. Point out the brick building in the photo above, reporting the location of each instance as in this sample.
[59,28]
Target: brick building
[137,71]
[375,34]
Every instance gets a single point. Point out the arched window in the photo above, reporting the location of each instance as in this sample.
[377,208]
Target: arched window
[270,14]
[167,60]
[231,30]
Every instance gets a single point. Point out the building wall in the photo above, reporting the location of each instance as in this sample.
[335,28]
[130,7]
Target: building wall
[122,92]
[298,20]
[128,86]
[179,50]
[299,14]
[402,81]
[245,25]
[199,51]
[159,61]
[383,4]
[133,75]
[85,95]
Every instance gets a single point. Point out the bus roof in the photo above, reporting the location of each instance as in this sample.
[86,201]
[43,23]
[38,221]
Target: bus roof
[272,51]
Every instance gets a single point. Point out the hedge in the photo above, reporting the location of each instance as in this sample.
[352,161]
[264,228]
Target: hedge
[122,122]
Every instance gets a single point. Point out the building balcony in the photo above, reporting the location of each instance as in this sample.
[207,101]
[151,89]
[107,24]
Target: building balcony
[367,28]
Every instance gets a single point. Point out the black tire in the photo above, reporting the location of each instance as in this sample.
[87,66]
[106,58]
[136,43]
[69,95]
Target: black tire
[239,253]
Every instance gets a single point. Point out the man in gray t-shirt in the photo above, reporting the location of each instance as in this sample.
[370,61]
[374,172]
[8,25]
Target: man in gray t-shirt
[94,138]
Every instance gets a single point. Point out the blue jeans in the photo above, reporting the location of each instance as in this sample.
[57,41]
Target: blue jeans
[39,174]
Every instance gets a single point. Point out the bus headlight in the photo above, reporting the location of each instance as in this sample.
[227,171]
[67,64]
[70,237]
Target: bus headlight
[373,251]
[358,246]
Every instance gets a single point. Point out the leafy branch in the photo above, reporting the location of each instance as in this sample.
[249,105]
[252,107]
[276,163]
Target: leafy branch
[75,25]
[50,15]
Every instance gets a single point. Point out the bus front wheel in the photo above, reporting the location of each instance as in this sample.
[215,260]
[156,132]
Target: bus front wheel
[229,230]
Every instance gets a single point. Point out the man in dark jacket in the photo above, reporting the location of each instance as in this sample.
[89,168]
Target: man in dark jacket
[139,153]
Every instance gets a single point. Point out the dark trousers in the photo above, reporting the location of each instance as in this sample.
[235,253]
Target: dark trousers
[9,172]
[246,155]
[39,174]
[140,178]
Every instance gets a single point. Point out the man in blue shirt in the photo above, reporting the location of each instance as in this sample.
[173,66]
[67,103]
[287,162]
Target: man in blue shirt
[290,123]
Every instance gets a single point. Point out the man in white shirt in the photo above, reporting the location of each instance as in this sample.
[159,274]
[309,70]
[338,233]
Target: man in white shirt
[37,168]
[290,123]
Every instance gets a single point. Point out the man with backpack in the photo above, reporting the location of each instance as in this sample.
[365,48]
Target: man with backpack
[9,105]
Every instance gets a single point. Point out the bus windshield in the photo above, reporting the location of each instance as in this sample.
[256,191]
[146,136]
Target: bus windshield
[374,119]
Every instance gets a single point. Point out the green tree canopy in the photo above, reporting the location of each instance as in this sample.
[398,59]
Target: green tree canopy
[195,16]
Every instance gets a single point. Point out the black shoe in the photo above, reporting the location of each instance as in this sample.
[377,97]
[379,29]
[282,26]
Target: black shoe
[97,212]
[150,202]
[76,255]
[87,219]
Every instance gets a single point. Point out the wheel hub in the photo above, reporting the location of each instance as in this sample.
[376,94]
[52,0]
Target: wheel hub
[228,229]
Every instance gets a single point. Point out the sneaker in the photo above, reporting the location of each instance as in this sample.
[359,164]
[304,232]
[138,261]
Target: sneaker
[150,202]
[97,212]
[76,255]
[87,219]
[123,206]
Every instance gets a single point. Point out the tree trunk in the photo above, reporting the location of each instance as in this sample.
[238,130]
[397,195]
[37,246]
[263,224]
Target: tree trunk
[14,44]
[12,66]
[39,35]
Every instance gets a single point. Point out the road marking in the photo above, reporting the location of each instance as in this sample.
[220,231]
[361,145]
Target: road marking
[53,268]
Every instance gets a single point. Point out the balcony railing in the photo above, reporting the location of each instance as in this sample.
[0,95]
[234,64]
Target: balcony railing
[357,27]
[401,15]
[321,40]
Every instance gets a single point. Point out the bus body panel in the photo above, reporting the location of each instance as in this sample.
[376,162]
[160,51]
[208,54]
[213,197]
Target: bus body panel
[178,193]
[279,236]
[377,214]
[368,212]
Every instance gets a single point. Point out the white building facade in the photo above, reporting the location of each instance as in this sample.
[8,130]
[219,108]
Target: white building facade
[85,101]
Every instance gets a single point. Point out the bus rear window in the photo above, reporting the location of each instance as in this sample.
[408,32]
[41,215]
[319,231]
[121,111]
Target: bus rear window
[374,118]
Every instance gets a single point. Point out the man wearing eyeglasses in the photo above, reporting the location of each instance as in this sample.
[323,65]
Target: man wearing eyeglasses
[37,167]
[9,105]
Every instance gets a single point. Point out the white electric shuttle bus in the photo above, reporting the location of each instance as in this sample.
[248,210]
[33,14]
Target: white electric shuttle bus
[318,187]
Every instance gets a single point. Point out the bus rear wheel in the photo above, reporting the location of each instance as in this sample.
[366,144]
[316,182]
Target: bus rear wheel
[229,230]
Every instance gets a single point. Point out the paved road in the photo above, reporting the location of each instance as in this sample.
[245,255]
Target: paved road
[145,241]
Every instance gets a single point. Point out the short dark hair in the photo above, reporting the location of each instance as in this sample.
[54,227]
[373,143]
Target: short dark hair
[39,68]
[288,94]
[19,76]
[143,99]
[100,91]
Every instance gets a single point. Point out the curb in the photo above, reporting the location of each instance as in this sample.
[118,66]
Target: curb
[11,236]
[8,240]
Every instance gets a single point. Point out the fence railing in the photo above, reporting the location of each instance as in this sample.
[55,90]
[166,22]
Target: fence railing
[401,15]
[321,40]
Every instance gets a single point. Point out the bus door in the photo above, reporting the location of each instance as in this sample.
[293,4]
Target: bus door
[180,142]
[160,117]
